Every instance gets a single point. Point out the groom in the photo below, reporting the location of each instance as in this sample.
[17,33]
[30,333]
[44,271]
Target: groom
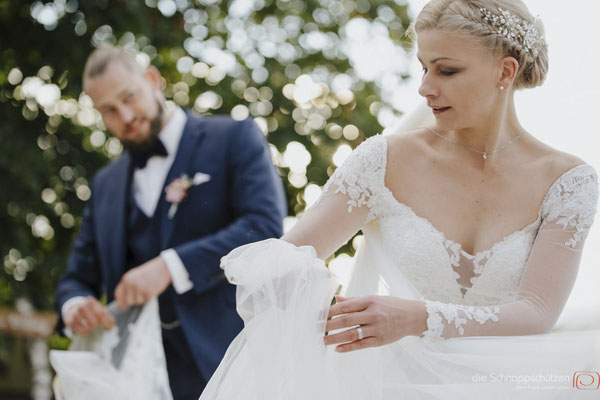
[186,191]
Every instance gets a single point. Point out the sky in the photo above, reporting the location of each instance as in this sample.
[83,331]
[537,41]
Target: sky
[563,113]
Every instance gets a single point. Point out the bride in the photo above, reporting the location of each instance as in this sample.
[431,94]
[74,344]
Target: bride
[473,232]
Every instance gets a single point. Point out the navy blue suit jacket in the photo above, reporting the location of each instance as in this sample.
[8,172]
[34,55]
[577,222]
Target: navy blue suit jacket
[243,202]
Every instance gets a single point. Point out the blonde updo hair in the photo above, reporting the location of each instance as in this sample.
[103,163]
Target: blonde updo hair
[465,17]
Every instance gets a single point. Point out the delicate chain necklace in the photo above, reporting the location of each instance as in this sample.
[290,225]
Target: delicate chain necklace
[484,153]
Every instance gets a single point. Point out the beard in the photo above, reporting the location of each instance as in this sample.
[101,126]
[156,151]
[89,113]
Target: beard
[145,144]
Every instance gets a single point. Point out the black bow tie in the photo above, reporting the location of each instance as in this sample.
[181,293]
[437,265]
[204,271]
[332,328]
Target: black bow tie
[140,158]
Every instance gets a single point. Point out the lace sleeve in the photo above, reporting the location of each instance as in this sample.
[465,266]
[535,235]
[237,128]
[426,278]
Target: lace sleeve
[349,200]
[568,212]
[571,202]
[362,175]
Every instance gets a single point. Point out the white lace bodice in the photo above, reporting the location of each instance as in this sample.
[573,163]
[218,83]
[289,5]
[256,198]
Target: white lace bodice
[549,248]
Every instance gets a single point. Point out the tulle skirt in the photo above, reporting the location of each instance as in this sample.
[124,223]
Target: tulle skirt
[283,296]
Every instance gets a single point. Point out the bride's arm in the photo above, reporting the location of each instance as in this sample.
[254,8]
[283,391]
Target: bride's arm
[327,225]
[346,203]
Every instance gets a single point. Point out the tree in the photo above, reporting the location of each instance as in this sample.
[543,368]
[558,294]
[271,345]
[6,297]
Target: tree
[290,64]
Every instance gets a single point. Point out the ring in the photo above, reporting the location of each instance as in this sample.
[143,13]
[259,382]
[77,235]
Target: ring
[360,333]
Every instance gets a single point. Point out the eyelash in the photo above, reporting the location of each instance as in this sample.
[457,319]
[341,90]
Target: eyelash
[443,72]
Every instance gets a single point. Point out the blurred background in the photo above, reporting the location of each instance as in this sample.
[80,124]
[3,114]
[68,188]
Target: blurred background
[318,77]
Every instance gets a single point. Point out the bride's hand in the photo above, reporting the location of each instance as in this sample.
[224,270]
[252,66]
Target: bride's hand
[383,320]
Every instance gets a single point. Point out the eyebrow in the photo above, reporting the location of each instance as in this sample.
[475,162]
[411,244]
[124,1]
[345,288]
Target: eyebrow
[437,59]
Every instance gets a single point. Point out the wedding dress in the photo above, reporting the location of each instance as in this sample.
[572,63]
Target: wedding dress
[489,339]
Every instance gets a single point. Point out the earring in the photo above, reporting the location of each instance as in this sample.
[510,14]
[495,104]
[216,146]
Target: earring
[501,88]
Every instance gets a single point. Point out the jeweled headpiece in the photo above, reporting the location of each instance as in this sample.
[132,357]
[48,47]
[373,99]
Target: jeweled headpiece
[514,29]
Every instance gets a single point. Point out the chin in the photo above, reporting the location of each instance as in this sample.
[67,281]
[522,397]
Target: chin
[443,125]
[136,141]
[133,137]
[449,124]
[140,136]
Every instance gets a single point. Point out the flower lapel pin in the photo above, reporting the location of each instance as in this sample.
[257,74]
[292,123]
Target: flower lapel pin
[177,190]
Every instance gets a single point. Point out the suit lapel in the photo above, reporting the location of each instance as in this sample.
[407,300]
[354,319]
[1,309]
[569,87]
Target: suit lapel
[190,139]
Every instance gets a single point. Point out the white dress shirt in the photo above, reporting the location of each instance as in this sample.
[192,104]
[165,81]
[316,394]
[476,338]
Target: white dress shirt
[147,186]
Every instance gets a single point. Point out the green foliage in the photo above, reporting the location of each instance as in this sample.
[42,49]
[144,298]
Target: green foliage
[280,61]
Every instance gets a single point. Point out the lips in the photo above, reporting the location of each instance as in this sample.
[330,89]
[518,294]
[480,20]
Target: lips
[135,127]
[438,110]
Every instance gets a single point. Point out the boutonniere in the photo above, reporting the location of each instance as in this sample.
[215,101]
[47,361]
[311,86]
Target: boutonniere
[177,190]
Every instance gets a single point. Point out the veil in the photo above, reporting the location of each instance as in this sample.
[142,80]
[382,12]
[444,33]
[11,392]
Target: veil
[420,116]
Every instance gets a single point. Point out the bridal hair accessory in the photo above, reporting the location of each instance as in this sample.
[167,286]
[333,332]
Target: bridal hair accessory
[177,190]
[484,153]
[514,29]
[360,333]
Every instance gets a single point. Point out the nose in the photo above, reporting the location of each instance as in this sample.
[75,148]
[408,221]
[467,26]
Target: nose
[126,113]
[427,88]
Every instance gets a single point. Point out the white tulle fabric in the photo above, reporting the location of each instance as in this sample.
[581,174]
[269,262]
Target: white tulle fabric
[283,295]
[487,340]
[142,374]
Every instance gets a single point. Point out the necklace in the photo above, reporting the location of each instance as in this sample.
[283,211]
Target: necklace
[483,153]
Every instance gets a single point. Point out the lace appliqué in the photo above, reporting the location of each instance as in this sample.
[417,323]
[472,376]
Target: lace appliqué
[459,315]
[455,256]
[361,176]
[572,202]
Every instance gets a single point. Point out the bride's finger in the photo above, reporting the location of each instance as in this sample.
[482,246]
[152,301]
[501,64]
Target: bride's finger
[345,321]
[348,306]
[349,335]
[358,344]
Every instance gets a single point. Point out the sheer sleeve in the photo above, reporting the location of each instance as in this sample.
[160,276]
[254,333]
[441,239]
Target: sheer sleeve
[349,200]
[567,215]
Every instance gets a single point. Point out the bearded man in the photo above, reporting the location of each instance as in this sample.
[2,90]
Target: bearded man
[185,192]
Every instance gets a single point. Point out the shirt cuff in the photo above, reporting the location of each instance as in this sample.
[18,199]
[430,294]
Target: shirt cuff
[180,276]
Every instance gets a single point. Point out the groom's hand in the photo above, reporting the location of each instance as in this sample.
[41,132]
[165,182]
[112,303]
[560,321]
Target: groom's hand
[142,283]
[82,318]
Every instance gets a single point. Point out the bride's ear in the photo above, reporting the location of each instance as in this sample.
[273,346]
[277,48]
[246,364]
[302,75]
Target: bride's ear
[509,67]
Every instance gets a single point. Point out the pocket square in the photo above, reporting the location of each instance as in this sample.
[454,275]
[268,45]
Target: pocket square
[201,177]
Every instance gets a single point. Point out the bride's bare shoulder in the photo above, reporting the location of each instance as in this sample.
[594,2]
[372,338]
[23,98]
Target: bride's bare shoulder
[553,161]
[407,145]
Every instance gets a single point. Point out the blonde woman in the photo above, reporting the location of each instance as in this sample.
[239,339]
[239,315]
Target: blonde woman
[473,229]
